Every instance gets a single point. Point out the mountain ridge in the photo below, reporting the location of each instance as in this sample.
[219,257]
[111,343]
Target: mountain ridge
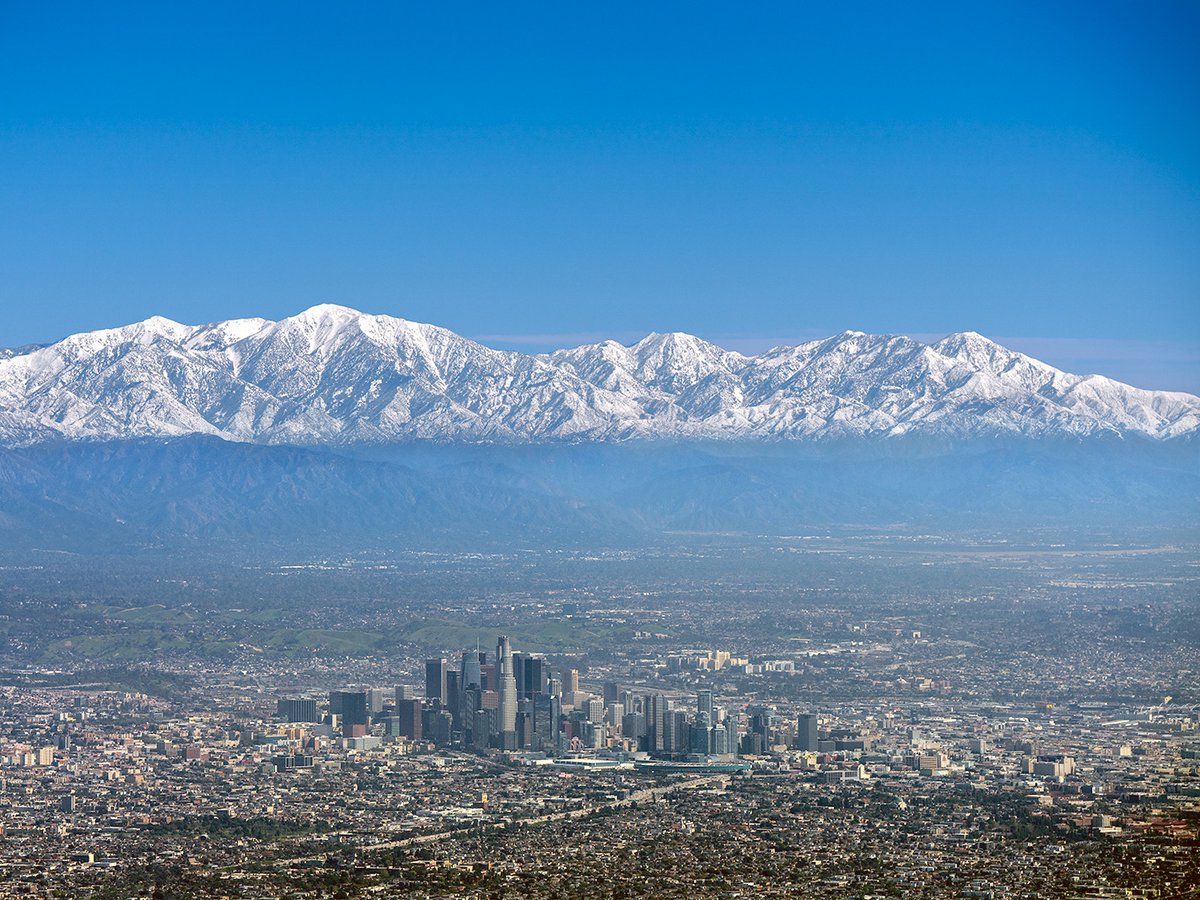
[331,375]
[202,494]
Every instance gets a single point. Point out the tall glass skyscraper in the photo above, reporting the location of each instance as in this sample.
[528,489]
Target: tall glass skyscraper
[507,688]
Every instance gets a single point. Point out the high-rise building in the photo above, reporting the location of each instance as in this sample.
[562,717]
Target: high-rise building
[470,702]
[297,710]
[572,685]
[507,688]
[704,703]
[404,692]
[699,736]
[633,726]
[409,714]
[453,701]
[676,738]
[594,710]
[656,721]
[752,743]
[435,680]
[441,727]
[519,660]
[524,732]
[375,700]
[354,708]
[593,735]
[612,692]
[530,673]
[806,732]
[718,741]
[629,700]
[470,669]
[482,726]
[613,714]
[546,712]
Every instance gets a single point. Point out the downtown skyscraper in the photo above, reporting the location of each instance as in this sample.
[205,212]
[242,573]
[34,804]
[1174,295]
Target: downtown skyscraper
[507,690]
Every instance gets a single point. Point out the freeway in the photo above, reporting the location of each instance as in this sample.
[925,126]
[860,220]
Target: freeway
[644,795]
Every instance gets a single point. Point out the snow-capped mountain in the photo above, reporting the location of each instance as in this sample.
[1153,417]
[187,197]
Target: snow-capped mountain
[332,375]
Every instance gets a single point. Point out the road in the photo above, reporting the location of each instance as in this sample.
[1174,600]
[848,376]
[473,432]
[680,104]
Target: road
[641,796]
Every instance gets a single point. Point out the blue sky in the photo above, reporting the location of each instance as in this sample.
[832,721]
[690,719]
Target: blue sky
[542,174]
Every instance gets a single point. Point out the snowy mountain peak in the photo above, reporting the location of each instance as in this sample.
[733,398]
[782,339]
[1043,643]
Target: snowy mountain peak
[325,312]
[332,374]
[973,350]
[969,344]
[220,335]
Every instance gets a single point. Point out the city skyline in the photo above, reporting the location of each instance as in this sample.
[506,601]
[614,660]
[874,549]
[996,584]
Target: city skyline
[562,450]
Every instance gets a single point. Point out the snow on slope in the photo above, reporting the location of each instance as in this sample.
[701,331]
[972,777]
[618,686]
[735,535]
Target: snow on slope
[335,375]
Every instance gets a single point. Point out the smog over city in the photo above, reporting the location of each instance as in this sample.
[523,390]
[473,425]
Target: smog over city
[625,450]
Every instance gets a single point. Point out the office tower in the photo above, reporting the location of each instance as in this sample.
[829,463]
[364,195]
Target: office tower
[731,734]
[409,714]
[531,675]
[453,701]
[676,738]
[354,708]
[435,680]
[546,712]
[656,722]
[519,660]
[335,703]
[718,740]
[554,686]
[806,732]
[761,723]
[629,701]
[594,710]
[594,735]
[633,726]
[487,676]
[611,692]
[507,688]
[471,673]
[297,710]
[699,736]
[375,700]
[441,727]
[522,671]
[572,685]
[613,714]
[482,727]
[526,715]
[704,703]
[404,692]
[470,702]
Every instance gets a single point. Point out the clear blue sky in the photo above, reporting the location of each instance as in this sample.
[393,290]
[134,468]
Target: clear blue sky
[541,174]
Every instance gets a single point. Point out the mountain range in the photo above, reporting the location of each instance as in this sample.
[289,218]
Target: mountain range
[335,430]
[333,377]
